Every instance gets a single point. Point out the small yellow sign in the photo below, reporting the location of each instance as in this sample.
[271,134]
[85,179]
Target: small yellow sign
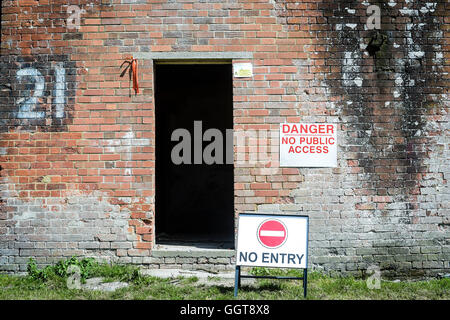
[243,70]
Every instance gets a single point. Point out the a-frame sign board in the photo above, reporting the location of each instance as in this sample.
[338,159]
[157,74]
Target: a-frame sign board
[272,240]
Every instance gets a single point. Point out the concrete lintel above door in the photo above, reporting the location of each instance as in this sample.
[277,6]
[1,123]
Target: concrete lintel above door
[193,55]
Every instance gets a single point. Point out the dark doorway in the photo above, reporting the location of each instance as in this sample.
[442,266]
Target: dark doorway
[194,203]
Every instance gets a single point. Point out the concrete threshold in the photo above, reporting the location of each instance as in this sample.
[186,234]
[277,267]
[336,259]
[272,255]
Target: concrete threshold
[191,251]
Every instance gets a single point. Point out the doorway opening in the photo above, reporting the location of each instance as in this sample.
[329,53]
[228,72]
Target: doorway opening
[194,202]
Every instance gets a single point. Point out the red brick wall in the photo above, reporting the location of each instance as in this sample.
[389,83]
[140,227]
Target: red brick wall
[82,182]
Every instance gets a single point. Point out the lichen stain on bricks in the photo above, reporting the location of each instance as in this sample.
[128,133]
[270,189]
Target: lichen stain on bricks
[405,73]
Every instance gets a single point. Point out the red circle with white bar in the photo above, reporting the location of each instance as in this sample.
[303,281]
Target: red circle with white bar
[272,233]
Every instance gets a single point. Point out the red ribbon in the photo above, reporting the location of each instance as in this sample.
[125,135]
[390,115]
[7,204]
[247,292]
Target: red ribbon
[134,69]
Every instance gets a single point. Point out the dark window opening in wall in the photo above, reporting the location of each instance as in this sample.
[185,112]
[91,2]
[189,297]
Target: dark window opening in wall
[194,203]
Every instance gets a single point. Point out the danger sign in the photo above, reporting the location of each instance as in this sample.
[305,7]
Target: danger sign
[308,145]
[270,240]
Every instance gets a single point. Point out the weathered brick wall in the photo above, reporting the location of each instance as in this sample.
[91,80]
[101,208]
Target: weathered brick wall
[78,172]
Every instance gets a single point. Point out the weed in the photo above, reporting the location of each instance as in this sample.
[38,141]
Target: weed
[88,268]
[60,269]
[37,274]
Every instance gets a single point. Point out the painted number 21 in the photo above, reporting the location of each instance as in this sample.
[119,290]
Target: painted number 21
[27,106]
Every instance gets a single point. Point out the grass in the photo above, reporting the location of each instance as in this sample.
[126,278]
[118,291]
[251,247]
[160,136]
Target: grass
[54,286]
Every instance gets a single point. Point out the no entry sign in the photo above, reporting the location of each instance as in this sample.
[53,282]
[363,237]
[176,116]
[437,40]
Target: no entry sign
[308,145]
[272,241]
[272,233]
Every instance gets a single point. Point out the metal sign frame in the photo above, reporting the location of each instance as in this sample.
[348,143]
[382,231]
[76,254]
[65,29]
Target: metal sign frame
[238,276]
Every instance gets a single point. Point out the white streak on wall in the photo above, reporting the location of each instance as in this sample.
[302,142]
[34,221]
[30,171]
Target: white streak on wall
[350,70]
[60,89]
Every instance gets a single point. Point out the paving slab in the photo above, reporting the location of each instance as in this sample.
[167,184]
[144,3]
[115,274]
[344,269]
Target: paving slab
[225,279]
[98,284]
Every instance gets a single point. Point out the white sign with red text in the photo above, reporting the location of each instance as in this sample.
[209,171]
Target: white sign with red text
[271,240]
[308,145]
